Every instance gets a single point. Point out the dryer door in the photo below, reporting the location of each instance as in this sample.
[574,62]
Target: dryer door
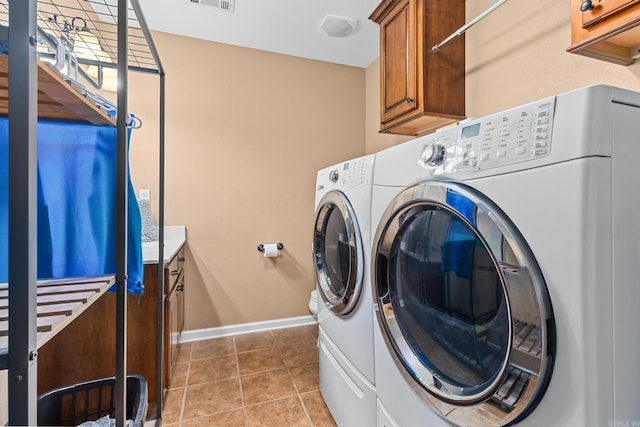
[462,304]
[338,252]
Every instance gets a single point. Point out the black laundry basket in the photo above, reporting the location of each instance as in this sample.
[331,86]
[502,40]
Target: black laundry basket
[91,400]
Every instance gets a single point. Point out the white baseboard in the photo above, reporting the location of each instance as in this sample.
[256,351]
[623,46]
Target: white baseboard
[244,328]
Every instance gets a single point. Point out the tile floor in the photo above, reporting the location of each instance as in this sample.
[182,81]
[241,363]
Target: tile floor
[258,379]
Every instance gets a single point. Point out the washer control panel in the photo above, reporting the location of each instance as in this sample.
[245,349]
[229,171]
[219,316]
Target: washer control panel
[511,136]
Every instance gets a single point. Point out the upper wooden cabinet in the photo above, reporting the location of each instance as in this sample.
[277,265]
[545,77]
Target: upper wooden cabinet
[610,31]
[420,90]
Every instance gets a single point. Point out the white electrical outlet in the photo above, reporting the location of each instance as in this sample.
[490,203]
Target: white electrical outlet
[144,194]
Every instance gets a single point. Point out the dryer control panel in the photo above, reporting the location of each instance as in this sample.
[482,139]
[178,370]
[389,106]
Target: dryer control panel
[511,136]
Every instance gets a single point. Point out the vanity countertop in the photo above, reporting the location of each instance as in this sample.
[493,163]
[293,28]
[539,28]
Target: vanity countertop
[174,239]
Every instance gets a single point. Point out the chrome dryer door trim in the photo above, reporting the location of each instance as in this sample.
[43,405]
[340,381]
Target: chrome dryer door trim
[339,297]
[417,296]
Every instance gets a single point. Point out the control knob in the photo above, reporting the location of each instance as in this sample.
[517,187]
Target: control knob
[434,154]
[333,175]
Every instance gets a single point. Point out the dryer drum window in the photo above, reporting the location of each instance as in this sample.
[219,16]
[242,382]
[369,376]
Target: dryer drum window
[338,252]
[461,303]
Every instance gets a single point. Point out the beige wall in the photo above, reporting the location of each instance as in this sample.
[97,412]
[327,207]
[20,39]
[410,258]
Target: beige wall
[246,132]
[518,54]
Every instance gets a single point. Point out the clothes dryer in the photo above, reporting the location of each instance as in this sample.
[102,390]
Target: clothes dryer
[342,253]
[504,268]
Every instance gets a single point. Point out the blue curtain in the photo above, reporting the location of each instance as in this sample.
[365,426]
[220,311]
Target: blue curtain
[459,247]
[76,204]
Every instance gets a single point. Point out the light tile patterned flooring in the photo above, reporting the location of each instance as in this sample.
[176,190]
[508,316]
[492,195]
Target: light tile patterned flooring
[258,379]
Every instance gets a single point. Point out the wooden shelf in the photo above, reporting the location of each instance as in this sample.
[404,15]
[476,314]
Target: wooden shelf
[59,303]
[57,99]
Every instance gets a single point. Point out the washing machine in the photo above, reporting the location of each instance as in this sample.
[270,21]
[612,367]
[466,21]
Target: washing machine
[342,253]
[505,265]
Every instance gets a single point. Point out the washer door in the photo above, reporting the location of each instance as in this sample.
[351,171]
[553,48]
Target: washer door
[338,252]
[462,304]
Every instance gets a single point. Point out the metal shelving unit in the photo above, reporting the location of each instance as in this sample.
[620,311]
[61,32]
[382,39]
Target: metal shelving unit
[124,37]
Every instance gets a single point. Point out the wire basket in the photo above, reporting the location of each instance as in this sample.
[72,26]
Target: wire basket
[91,400]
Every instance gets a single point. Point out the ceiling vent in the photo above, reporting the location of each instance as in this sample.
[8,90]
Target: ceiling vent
[225,5]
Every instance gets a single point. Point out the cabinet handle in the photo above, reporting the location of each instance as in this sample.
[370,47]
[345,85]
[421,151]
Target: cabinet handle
[409,100]
[181,259]
[180,288]
[586,6]
[174,272]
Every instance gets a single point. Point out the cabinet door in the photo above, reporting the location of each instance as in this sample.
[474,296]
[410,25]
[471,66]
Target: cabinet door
[604,9]
[171,333]
[180,304]
[398,56]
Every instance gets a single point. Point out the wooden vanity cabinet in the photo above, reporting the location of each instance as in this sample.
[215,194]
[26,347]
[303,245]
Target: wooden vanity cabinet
[142,328]
[420,90]
[173,313]
[610,31]
[142,312]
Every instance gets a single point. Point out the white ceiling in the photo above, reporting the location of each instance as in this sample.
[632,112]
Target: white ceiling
[290,27]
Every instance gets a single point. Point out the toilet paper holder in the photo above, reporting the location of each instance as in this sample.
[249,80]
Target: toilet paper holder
[261,247]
